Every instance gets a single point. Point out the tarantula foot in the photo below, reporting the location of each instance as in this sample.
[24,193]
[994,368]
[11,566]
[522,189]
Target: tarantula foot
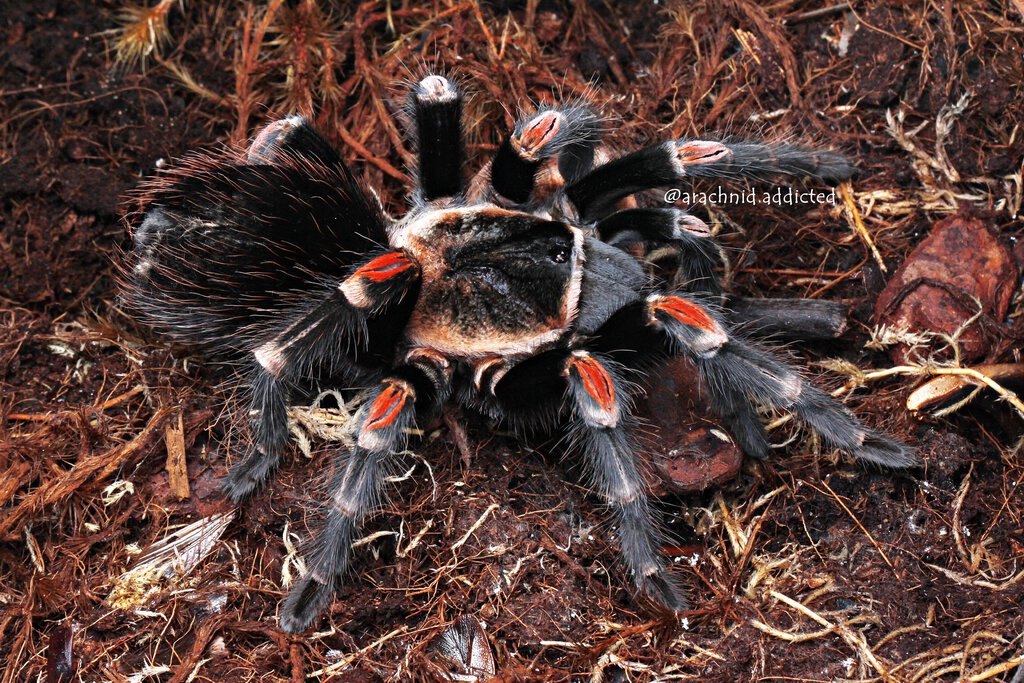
[841,429]
[266,147]
[665,590]
[886,452]
[248,475]
[305,601]
[435,88]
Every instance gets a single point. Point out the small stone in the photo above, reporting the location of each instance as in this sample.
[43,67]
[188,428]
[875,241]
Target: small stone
[961,264]
[687,449]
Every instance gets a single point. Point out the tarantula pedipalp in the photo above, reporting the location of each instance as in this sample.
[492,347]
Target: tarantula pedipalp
[520,303]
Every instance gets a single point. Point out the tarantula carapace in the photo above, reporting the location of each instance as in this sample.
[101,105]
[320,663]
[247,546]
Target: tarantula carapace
[514,295]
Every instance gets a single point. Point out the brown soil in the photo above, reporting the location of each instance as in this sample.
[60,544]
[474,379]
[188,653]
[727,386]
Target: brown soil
[807,567]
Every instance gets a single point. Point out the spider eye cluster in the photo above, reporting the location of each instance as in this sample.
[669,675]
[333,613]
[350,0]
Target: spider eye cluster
[559,253]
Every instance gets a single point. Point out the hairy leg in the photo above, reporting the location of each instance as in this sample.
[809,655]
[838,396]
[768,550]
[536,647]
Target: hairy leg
[664,164]
[568,133]
[419,386]
[738,376]
[598,401]
[292,136]
[437,108]
[323,333]
[698,252]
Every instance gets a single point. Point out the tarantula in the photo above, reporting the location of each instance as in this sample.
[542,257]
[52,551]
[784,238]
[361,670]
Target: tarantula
[513,295]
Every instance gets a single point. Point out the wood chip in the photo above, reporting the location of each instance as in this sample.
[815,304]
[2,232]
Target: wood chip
[177,468]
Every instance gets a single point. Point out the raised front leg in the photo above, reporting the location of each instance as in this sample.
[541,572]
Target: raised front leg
[570,133]
[437,107]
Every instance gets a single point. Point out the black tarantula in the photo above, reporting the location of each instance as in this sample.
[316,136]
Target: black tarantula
[513,295]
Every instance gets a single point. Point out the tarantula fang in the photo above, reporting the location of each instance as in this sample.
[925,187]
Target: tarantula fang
[513,294]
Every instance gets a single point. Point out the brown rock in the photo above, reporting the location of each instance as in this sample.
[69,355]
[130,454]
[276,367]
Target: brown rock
[961,261]
[687,450]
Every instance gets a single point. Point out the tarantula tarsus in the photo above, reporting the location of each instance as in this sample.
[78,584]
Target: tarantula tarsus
[513,295]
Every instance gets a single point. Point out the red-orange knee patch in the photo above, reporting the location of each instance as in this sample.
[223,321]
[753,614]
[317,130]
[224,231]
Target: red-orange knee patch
[701,152]
[539,132]
[596,381]
[388,405]
[385,267]
[685,312]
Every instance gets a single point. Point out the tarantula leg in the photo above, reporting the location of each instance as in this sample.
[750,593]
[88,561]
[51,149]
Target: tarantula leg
[593,389]
[535,392]
[663,225]
[758,159]
[380,281]
[738,375]
[437,105]
[698,252]
[571,133]
[666,163]
[311,339]
[421,385]
[269,428]
[595,194]
[598,397]
[291,136]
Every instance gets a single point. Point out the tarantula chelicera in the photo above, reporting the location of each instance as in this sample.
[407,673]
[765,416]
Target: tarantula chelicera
[513,294]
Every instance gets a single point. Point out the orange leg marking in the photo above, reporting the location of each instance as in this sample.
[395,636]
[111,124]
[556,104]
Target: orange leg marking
[685,312]
[385,267]
[701,151]
[386,408]
[538,133]
[596,381]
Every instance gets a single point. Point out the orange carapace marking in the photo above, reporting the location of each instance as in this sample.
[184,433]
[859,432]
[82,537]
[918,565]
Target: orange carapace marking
[685,312]
[385,267]
[387,406]
[596,381]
